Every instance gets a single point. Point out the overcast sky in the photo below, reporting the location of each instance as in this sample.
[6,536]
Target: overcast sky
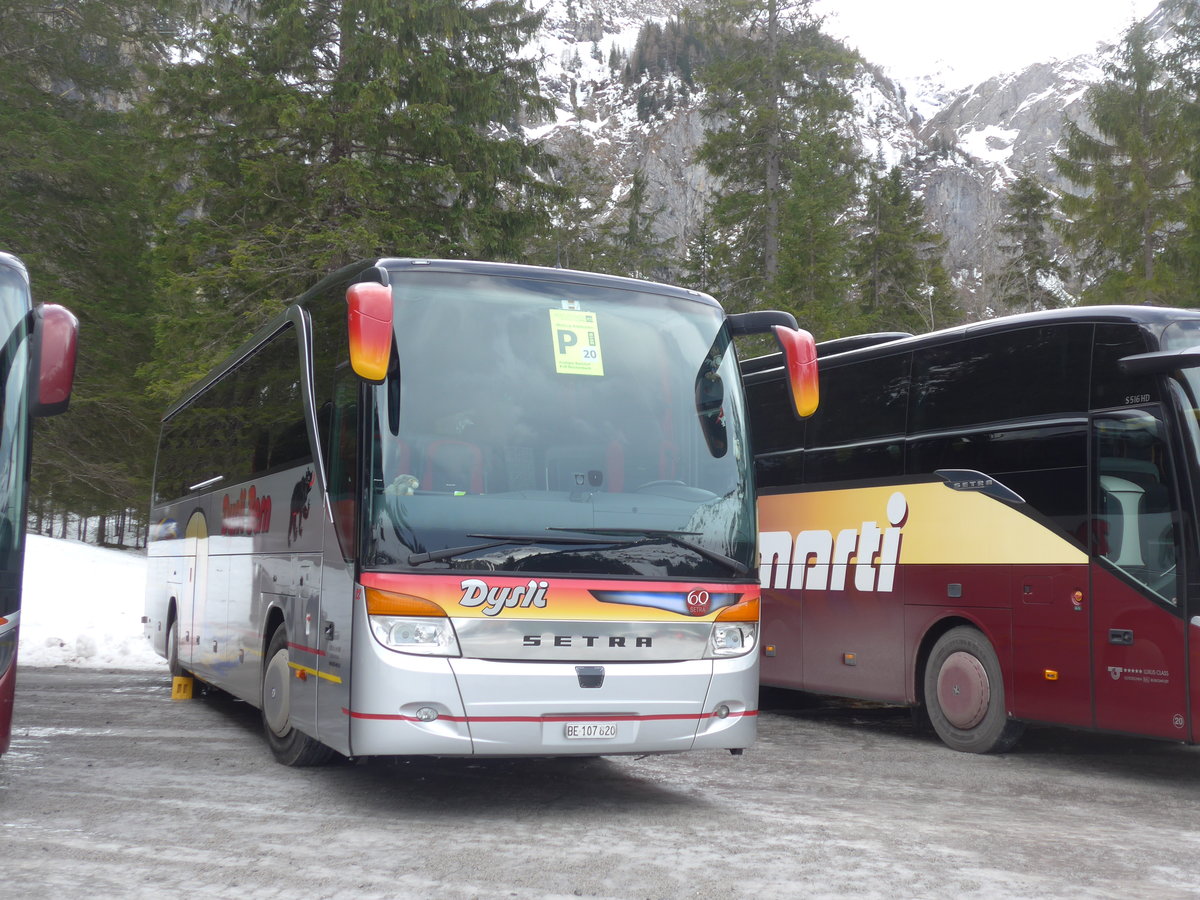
[976,38]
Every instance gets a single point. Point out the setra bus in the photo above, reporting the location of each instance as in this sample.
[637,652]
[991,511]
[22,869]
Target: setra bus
[996,523]
[465,508]
[37,369]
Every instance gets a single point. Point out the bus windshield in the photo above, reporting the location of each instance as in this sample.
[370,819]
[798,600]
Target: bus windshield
[14,435]
[552,426]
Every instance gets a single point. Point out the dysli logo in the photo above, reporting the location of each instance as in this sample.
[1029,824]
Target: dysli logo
[477,593]
[819,560]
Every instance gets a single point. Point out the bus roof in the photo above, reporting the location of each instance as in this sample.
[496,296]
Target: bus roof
[886,343]
[513,270]
[12,262]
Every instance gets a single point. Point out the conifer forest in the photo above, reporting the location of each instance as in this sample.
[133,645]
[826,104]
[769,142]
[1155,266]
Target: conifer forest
[174,171]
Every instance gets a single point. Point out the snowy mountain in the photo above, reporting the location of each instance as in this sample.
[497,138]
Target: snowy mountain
[964,146]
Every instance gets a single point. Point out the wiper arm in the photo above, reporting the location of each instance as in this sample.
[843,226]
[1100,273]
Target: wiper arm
[675,537]
[415,559]
[498,540]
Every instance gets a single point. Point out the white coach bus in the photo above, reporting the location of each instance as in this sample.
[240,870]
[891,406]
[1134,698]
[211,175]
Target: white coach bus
[457,508]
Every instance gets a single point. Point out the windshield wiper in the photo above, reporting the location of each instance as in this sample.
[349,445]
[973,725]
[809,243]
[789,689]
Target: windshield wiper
[499,540]
[675,537]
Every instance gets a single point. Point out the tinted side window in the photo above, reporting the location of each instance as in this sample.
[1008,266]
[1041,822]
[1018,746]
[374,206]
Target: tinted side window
[1044,462]
[858,430]
[1013,406]
[1109,386]
[773,424]
[249,422]
[777,470]
[194,445]
[1020,374]
[269,408]
[331,350]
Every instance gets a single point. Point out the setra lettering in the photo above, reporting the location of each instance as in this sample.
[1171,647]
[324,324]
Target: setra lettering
[590,640]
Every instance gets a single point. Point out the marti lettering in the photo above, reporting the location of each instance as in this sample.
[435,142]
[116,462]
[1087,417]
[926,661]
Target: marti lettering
[818,561]
[477,593]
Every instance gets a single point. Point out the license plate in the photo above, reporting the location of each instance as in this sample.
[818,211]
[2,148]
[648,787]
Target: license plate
[589,731]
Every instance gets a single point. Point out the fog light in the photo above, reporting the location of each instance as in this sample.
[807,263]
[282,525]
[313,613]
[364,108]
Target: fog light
[426,714]
[722,711]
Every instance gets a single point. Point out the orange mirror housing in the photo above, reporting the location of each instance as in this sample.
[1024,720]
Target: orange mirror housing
[800,356]
[369,318]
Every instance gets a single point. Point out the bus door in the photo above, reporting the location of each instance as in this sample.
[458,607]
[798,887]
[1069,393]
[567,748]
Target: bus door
[193,604]
[1139,645]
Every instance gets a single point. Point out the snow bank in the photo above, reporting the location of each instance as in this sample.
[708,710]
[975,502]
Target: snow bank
[82,607]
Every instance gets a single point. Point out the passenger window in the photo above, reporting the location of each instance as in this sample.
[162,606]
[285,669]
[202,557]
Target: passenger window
[858,431]
[1110,386]
[773,424]
[1018,374]
[1136,522]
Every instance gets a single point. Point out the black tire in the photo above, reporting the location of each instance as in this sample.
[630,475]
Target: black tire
[290,746]
[964,694]
[173,665]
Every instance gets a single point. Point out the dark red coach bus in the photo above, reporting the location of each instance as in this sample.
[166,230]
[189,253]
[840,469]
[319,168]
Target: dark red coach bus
[995,523]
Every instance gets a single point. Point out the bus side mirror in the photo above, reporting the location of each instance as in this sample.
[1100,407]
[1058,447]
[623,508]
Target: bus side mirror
[55,342]
[369,318]
[799,353]
[800,358]
[710,407]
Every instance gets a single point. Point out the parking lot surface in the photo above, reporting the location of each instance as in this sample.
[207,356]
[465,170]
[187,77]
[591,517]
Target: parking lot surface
[114,788]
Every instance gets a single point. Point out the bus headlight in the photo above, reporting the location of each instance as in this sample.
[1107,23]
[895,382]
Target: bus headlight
[732,639]
[409,624]
[428,637]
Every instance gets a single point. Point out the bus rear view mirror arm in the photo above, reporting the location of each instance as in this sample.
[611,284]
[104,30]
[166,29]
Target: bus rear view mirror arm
[799,353]
[1160,361]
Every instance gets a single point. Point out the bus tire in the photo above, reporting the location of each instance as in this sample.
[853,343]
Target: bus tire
[289,745]
[964,694]
[173,665]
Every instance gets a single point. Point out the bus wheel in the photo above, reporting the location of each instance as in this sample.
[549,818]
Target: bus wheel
[291,747]
[173,665]
[964,694]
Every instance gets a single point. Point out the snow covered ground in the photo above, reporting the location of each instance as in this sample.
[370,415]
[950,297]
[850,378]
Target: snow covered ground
[82,607]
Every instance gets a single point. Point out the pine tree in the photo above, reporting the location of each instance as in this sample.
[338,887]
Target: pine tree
[72,206]
[816,234]
[1031,268]
[315,133]
[774,78]
[1182,258]
[633,247]
[703,255]
[1129,164]
[575,237]
[902,285]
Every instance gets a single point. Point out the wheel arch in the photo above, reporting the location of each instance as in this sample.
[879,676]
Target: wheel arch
[273,620]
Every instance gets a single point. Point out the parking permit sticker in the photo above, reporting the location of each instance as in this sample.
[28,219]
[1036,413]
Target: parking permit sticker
[576,342]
